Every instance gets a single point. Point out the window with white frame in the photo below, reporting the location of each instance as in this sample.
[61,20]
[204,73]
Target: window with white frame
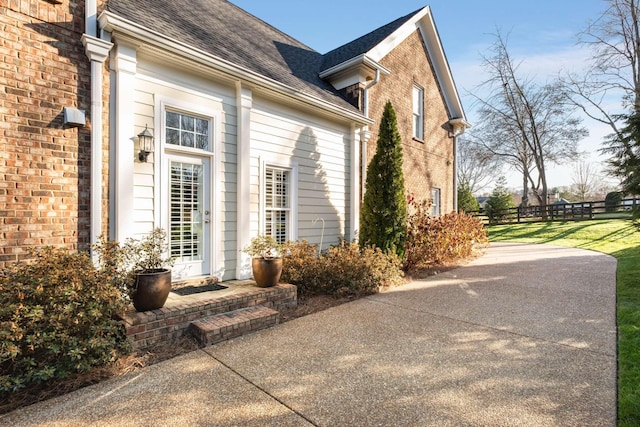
[418,112]
[277,203]
[185,130]
[435,201]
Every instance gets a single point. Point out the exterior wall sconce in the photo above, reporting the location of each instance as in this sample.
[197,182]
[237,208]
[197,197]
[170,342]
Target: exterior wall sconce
[145,141]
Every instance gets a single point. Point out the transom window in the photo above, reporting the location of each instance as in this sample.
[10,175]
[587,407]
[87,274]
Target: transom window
[185,130]
[418,112]
[277,203]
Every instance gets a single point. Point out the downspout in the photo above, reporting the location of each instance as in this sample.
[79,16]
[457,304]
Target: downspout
[455,173]
[366,133]
[365,101]
[97,51]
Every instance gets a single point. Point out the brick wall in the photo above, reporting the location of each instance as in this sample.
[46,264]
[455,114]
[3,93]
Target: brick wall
[427,163]
[44,167]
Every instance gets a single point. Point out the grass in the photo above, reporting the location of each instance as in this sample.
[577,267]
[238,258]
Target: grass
[621,239]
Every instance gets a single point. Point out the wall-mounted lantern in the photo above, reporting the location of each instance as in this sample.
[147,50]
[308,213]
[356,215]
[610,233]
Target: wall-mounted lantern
[145,142]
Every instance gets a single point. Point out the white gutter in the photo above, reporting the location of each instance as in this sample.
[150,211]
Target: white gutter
[97,51]
[111,22]
[353,62]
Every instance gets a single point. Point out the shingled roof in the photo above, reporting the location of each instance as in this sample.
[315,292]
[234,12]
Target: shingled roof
[363,44]
[222,29]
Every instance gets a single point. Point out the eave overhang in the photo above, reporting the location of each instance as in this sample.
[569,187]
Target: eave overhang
[157,42]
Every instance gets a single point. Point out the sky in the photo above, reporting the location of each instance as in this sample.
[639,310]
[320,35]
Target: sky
[541,34]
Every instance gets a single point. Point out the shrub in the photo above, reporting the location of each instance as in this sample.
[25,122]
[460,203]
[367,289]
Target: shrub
[466,201]
[121,263]
[58,315]
[300,264]
[343,270]
[442,239]
[352,270]
[498,203]
[613,200]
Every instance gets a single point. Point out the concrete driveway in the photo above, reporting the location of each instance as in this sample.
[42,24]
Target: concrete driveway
[523,336]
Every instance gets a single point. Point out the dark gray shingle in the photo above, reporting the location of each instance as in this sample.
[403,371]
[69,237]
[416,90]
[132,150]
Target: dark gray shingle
[228,32]
[363,44]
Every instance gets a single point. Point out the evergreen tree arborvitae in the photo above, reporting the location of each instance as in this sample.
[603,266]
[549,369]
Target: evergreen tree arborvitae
[466,201]
[383,219]
[624,149]
[499,201]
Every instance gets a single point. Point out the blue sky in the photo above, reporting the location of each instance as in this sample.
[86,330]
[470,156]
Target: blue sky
[542,33]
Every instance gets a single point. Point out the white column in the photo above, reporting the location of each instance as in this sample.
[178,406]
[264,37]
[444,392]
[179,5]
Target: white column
[97,51]
[124,67]
[244,103]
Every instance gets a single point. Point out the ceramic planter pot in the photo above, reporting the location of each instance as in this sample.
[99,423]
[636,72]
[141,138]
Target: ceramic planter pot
[266,272]
[152,289]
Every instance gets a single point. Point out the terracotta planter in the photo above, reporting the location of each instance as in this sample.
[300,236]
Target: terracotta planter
[152,289]
[266,272]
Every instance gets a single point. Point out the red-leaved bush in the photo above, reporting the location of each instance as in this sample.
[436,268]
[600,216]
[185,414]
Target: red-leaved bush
[442,239]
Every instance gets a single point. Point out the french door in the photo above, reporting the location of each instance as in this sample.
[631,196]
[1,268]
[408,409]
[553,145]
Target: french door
[189,214]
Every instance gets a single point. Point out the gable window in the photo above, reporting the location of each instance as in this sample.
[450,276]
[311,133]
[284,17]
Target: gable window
[418,112]
[435,202]
[277,205]
[186,130]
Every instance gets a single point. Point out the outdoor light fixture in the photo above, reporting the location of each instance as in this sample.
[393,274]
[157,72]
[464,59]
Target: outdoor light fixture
[145,141]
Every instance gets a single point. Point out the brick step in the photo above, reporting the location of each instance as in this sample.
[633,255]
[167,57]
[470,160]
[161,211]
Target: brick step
[224,326]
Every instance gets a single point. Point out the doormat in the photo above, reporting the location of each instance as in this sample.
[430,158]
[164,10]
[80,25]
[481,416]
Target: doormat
[190,290]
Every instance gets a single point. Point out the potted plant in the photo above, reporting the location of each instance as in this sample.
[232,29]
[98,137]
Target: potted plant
[149,273]
[138,268]
[266,260]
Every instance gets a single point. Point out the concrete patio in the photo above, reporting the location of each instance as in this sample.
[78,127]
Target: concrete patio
[523,336]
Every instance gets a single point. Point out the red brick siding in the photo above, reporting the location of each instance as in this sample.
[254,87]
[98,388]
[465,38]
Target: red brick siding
[429,163]
[169,323]
[44,167]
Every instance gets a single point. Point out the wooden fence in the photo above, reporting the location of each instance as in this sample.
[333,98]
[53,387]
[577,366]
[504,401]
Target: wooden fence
[560,212]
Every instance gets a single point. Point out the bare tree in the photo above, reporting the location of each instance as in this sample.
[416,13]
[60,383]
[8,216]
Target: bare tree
[614,69]
[523,123]
[584,179]
[477,168]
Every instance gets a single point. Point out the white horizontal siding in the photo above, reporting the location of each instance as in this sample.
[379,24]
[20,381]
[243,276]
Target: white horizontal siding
[168,83]
[320,150]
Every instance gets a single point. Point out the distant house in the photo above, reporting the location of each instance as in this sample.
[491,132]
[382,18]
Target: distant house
[251,131]
[561,201]
[482,201]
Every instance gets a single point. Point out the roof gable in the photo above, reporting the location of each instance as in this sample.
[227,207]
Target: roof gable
[362,44]
[374,46]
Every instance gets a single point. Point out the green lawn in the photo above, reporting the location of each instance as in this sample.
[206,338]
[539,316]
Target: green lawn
[621,239]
